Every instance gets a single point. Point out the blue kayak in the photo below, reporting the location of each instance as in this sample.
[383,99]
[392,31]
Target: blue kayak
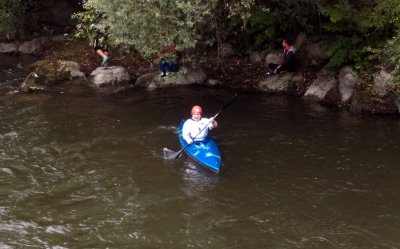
[205,152]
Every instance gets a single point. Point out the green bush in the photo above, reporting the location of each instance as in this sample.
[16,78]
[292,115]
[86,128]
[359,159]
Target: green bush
[393,52]
[11,12]
[352,50]
[149,25]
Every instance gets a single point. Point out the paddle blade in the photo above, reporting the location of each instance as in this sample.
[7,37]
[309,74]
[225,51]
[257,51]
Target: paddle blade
[170,154]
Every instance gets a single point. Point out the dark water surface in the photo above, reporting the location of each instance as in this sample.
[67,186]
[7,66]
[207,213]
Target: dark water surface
[85,170]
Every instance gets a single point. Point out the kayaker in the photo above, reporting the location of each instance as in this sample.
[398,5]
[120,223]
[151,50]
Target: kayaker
[196,128]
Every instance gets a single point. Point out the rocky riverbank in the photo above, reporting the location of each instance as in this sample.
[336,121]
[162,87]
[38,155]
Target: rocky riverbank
[61,58]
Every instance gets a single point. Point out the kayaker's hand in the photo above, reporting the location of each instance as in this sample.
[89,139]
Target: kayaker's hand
[213,122]
[189,141]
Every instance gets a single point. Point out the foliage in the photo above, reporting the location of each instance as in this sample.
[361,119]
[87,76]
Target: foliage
[86,21]
[10,13]
[239,8]
[253,30]
[360,26]
[263,26]
[352,50]
[149,25]
[389,9]
[368,18]
[297,15]
[393,50]
[19,16]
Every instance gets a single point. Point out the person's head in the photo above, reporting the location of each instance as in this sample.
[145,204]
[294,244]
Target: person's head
[285,43]
[196,112]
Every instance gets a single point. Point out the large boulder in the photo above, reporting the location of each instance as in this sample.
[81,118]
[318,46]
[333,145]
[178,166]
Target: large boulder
[314,54]
[300,38]
[46,73]
[276,83]
[184,77]
[34,46]
[364,101]
[274,57]
[110,76]
[6,47]
[397,102]
[348,81]
[361,102]
[285,82]
[321,86]
[257,56]
[382,83]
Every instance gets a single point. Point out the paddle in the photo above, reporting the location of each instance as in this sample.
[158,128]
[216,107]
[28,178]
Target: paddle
[170,154]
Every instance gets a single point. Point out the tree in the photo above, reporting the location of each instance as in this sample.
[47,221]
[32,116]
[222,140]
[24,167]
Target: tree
[150,25]
[361,26]
[19,18]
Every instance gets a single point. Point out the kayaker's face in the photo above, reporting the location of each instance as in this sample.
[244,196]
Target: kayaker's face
[196,116]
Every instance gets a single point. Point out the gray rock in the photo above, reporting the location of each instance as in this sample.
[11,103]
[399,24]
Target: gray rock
[110,76]
[314,53]
[8,47]
[73,68]
[348,81]
[185,76]
[321,86]
[274,57]
[397,102]
[257,56]
[300,38]
[276,83]
[34,46]
[47,72]
[213,82]
[382,83]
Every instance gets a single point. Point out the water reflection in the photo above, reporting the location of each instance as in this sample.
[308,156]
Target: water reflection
[197,179]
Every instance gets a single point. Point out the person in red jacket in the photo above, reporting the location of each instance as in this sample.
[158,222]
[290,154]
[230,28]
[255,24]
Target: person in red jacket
[288,62]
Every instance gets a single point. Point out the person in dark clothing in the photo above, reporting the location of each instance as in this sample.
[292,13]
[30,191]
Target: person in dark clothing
[170,60]
[288,63]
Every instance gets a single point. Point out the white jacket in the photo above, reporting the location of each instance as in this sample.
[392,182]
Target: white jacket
[191,129]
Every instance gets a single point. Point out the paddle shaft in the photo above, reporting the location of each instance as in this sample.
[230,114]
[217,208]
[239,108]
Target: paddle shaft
[214,117]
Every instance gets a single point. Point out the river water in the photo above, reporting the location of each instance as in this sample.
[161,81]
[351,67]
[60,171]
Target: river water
[79,169]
